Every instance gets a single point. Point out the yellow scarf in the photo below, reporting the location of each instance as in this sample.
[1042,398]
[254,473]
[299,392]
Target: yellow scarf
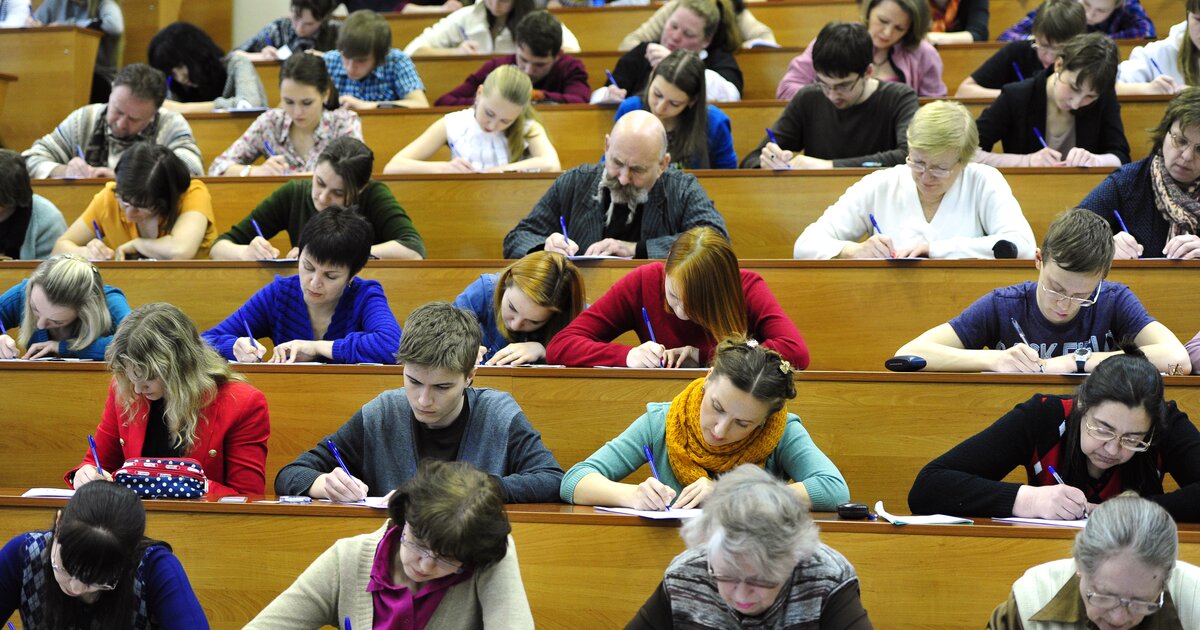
[692,458]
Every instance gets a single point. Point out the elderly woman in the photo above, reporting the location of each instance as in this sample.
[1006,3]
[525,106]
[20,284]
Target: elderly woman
[937,205]
[1156,197]
[754,560]
[1125,569]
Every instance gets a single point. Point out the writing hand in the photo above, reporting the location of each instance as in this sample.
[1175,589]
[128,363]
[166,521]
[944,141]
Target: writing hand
[556,243]
[647,355]
[518,354]
[1126,247]
[248,350]
[651,494]
[694,494]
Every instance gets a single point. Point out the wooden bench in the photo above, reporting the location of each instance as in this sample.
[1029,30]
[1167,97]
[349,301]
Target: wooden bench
[54,65]
[144,19]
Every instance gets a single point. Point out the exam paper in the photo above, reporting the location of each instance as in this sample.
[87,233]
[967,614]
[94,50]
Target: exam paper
[931,519]
[1078,524]
[52,493]
[655,514]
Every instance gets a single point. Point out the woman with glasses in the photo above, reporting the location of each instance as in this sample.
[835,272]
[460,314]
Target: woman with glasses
[1125,573]
[754,560]
[445,559]
[1153,205]
[154,209]
[1116,433]
[95,568]
[936,205]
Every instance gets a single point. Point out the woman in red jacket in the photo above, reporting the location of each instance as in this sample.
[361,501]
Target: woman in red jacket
[696,298]
[173,396]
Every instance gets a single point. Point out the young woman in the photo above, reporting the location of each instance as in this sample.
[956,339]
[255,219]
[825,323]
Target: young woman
[443,572]
[29,223]
[101,15]
[898,29]
[325,313]
[342,177]
[96,568]
[292,136]
[958,21]
[64,309]
[751,32]
[523,307]
[1115,19]
[1115,434]
[201,76]
[173,396]
[500,132]
[735,415]
[1167,65]
[699,134]
[154,209]
[697,298]
[483,28]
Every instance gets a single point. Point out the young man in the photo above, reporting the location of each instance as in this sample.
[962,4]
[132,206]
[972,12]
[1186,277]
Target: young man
[367,71]
[846,118]
[1056,23]
[556,77]
[1069,320]
[308,27]
[1118,19]
[436,414]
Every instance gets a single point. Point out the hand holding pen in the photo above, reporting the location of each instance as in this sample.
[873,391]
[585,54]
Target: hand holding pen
[774,156]
[259,247]
[651,494]
[1022,357]
[614,93]
[1045,156]
[1058,501]
[247,349]
[87,474]
[275,164]
[650,353]
[1125,245]
[8,345]
[339,484]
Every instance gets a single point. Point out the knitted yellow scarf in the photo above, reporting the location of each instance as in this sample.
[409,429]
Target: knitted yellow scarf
[692,458]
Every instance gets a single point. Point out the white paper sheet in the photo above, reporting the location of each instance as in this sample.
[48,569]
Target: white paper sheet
[655,514]
[931,519]
[1079,524]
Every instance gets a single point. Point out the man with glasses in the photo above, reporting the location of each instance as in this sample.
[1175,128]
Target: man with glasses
[1055,23]
[845,118]
[1067,321]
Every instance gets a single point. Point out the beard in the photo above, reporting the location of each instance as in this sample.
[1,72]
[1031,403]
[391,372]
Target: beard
[627,194]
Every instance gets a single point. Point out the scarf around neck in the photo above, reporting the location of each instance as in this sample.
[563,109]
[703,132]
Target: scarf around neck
[1179,207]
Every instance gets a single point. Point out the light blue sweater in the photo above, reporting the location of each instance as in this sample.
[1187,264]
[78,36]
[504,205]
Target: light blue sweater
[46,224]
[12,309]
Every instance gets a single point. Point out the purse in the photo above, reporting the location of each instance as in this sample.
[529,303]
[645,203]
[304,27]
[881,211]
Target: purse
[163,478]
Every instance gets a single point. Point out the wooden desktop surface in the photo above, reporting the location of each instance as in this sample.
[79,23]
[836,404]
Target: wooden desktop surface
[54,65]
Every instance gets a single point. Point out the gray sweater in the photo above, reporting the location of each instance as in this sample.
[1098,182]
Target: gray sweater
[677,204]
[378,447]
[46,224]
[109,20]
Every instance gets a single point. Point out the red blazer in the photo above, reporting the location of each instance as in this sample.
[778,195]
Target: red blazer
[231,439]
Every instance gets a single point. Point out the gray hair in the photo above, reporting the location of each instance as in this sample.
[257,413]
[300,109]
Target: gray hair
[1128,523]
[758,520]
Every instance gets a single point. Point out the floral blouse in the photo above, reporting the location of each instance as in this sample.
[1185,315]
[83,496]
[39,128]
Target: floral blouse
[268,136]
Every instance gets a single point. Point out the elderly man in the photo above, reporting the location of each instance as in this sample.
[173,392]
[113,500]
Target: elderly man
[630,205]
[92,138]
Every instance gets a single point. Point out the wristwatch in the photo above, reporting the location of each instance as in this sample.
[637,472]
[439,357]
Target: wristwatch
[1081,356]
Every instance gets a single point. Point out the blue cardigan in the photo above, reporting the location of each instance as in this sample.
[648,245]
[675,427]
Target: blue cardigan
[479,298]
[720,134]
[12,309]
[363,328]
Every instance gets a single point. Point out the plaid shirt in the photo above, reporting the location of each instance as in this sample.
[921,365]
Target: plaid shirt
[1129,21]
[391,80]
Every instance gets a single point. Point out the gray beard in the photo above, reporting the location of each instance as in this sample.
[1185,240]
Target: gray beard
[627,194]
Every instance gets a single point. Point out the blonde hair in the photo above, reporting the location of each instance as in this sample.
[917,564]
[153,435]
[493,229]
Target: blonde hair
[720,23]
[70,281]
[1188,57]
[158,341]
[552,281]
[708,281]
[944,126]
[514,86]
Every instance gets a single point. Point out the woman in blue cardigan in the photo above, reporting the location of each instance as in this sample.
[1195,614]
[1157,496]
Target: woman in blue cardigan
[326,313]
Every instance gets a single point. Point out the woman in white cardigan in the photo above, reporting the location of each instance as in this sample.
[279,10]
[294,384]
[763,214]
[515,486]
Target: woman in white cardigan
[484,28]
[938,204]
[1168,65]
[444,560]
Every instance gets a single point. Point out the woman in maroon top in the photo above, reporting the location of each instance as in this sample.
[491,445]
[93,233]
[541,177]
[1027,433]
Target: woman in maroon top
[696,298]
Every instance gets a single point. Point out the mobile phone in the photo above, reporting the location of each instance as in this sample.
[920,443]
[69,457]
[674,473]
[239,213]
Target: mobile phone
[853,511]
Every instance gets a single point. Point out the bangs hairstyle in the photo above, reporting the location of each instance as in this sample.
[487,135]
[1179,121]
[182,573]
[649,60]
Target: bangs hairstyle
[320,9]
[943,126]
[152,177]
[756,370]
[1079,241]
[352,161]
[1184,109]
[540,32]
[456,509]
[708,282]
[365,33]
[143,82]
[185,44]
[919,19]
[688,143]
[552,281]
[1059,20]
[1189,57]
[158,341]
[720,23]
[338,237]
[310,70]
[440,336]
[514,86]
[1128,523]
[1093,57]
[71,281]
[1133,381]
[842,49]
[756,522]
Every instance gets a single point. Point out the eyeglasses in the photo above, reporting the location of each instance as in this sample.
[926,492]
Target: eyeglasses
[1053,50]
[1134,606]
[752,582]
[1181,143]
[1127,441]
[1080,302]
[58,569]
[425,552]
[920,168]
[840,88]
[127,205]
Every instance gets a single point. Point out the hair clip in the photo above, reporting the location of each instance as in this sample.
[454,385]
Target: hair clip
[752,343]
[785,367]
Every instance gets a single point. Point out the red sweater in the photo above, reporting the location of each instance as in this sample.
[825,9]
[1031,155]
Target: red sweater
[567,82]
[231,439]
[587,341]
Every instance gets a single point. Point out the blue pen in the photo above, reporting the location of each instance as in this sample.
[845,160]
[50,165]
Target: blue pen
[1156,68]
[270,42]
[99,234]
[257,230]
[168,84]
[3,330]
[249,334]
[452,150]
[875,224]
[347,622]
[1037,132]
[563,222]
[11,627]
[611,79]
[1121,222]
[771,137]
[79,152]
[1054,473]
[872,164]
[462,31]
[650,329]
[92,444]
[269,148]
[650,458]
[338,456]
[1017,69]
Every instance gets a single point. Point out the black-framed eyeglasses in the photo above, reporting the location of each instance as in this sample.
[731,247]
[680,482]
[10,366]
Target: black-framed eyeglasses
[840,88]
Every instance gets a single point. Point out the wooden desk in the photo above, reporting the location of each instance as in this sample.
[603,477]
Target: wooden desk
[145,18]
[5,81]
[214,17]
[55,64]
[584,569]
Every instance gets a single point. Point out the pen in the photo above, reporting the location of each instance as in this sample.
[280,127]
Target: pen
[269,148]
[563,222]
[1038,133]
[650,329]
[257,230]
[1017,69]
[1054,473]
[452,150]
[248,333]
[771,137]
[1121,222]
[347,622]
[270,43]
[875,224]
[462,31]
[168,84]
[338,457]
[79,152]
[92,444]
[3,330]
[11,627]
[1156,68]
[611,79]
[650,459]
[99,234]
[1025,340]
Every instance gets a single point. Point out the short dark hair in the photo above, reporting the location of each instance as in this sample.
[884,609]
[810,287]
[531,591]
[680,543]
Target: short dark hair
[352,160]
[320,9]
[365,33]
[1079,241]
[16,191]
[152,177]
[143,82]
[338,236]
[541,32]
[185,44]
[843,49]
[1060,20]
[1184,109]
[311,70]
[1093,58]
[442,336]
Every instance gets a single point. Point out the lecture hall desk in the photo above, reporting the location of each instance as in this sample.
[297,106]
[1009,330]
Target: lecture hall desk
[5,81]
[54,65]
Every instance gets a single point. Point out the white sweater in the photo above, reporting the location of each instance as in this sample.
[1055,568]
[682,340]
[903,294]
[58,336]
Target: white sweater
[977,211]
[470,22]
[1164,52]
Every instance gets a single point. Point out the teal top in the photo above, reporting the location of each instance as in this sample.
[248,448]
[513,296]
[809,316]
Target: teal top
[796,458]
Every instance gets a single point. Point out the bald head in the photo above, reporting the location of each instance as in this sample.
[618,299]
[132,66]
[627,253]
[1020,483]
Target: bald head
[641,128]
[635,153]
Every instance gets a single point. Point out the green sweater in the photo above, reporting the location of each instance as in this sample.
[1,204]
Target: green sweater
[796,458]
[291,206]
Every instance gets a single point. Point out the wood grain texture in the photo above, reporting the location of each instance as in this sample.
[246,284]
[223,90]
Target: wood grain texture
[54,66]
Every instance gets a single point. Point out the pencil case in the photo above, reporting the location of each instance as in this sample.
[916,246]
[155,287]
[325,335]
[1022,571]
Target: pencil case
[155,478]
